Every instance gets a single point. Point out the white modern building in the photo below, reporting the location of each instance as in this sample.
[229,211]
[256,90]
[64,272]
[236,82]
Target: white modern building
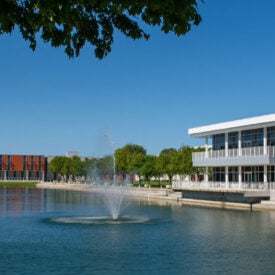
[242,154]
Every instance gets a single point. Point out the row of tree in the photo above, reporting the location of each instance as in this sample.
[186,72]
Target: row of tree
[128,161]
[132,159]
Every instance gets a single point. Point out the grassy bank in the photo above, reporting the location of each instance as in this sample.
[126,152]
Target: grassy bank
[18,184]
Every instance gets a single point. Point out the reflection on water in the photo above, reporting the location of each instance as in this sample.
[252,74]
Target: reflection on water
[103,220]
[17,200]
[181,240]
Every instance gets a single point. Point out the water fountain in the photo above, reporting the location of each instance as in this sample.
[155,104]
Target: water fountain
[115,197]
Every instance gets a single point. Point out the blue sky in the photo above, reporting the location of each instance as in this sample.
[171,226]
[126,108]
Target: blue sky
[145,92]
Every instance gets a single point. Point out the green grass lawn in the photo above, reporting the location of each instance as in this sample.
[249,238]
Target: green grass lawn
[153,184]
[18,184]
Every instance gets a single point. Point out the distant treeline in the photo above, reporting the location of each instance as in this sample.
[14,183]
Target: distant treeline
[128,161]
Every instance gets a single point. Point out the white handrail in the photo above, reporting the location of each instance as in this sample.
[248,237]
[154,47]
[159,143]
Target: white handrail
[221,185]
[234,153]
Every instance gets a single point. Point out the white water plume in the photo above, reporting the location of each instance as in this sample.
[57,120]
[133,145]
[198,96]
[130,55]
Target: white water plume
[115,199]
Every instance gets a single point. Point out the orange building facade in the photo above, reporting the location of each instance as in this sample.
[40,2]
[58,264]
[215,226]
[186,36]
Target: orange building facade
[23,167]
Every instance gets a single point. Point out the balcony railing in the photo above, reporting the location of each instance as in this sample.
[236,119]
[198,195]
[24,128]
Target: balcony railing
[222,185]
[252,151]
[271,151]
[234,153]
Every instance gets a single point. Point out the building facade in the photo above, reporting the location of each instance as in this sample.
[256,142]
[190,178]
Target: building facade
[23,167]
[242,154]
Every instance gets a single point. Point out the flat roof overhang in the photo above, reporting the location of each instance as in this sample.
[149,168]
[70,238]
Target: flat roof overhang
[235,125]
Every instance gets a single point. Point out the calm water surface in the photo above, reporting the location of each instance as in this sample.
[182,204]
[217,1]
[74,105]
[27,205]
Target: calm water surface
[177,240]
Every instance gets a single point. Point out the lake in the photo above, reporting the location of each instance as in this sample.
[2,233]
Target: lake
[170,239]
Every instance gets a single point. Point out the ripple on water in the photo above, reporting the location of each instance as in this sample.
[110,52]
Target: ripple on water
[102,220]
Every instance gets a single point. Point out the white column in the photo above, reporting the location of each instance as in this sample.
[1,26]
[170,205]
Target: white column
[206,174]
[27,175]
[5,175]
[206,147]
[265,141]
[226,177]
[43,175]
[265,177]
[265,153]
[240,177]
[226,144]
[240,143]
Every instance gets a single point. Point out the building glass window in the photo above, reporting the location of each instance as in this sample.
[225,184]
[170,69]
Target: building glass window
[218,142]
[32,162]
[270,136]
[39,162]
[252,174]
[24,162]
[1,161]
[233,140]
[218,174]
[252,138]
[9,162]
[271,173]
[233,174]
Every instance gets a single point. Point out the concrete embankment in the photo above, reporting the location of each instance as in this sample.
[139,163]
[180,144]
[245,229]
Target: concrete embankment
[162,194]
[63,186]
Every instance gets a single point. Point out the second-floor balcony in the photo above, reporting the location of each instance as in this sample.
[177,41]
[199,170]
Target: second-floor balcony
[239,156]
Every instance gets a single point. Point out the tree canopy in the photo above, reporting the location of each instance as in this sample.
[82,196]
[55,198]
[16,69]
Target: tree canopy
[168,162]
[149,167]
[73,23]
[129,158]
[66,167]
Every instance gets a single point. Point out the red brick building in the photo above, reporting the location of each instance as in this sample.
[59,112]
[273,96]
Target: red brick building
[23,167]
